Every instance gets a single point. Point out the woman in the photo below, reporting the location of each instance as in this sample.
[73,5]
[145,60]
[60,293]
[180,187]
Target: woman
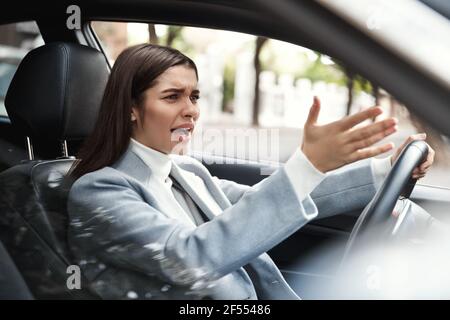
[148,224]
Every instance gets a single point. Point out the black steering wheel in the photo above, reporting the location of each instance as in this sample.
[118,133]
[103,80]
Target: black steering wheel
[398,184]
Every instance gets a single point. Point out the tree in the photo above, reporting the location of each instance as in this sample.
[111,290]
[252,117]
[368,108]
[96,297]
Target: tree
[350,85]
[173,33]
[260,41]
[152,36]
[355,83]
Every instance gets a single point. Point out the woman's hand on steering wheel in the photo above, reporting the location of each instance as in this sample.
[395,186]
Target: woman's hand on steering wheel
[422,169]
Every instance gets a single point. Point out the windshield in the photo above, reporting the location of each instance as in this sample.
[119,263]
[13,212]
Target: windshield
[408,27]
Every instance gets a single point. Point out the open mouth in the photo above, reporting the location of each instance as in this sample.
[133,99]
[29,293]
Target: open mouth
[183,130]
[180,134]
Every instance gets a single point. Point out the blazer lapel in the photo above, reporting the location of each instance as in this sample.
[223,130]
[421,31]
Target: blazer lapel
[176,173]
[215,191]
[213,188]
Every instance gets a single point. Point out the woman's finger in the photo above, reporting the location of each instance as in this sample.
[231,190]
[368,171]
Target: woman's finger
[429,160]
[424,166]
[372,129]
[364,143]
[313,112]
[370,152]
[431,155]
[353,120]
[413,137]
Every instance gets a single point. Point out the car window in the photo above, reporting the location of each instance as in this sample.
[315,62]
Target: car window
[16,40]
[263,121]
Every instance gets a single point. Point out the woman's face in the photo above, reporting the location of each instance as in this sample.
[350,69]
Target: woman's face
[170,111]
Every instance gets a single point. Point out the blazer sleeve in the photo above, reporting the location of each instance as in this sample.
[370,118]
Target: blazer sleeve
[234,191]
[344,190]
[110,220]
[349,188]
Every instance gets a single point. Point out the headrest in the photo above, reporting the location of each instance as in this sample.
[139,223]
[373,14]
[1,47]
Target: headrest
[57,90]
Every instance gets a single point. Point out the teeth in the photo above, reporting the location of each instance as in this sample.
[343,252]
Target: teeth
[180,132]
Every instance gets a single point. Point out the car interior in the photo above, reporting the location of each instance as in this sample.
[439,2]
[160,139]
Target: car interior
[56,92]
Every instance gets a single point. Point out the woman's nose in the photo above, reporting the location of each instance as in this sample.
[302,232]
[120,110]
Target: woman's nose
[191,110]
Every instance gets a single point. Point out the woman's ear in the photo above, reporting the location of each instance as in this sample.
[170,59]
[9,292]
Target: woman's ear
[133,115]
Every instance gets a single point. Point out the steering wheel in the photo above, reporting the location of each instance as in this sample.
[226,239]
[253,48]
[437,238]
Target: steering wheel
[398,184]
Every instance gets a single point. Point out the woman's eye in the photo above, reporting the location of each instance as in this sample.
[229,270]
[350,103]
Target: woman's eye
[195,98]
[172,97]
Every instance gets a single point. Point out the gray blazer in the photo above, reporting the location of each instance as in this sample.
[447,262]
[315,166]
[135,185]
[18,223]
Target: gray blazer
[129,247]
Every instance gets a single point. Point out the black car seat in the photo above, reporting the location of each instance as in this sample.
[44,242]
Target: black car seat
[12,285]
[55,94]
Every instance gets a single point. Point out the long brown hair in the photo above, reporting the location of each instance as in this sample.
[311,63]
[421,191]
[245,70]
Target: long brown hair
[134,71]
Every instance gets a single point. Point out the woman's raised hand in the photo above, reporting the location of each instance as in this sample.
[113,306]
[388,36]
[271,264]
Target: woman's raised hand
[333,145]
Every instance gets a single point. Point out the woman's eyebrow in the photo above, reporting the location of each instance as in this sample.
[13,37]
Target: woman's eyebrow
[179,90]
